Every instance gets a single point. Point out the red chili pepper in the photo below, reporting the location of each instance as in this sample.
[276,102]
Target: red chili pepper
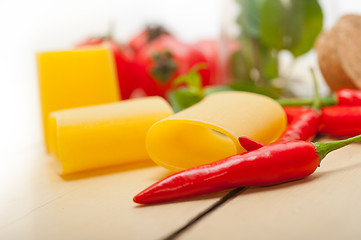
[340,121]
[272,164]
[249,144]
[293,112]
[350,97]
[303,126]
[303,123]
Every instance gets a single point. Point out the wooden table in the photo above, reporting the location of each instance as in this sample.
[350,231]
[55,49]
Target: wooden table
[38,204]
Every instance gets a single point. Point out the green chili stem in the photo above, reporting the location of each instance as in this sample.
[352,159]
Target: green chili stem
[316,100]
[295,101]
[329,100]
[323,148]
[325,101]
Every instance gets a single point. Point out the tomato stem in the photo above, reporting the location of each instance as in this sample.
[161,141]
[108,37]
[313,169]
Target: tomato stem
[323,148]
[164,66]
[155,31]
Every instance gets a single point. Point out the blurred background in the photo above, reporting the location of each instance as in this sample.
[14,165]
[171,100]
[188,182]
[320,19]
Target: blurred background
[38,25]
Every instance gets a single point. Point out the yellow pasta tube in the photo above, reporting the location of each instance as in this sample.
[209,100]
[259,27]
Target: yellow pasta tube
[75,78]
[104,135]
[209,130]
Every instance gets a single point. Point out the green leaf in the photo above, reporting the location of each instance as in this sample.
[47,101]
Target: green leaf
[240,67]
[312,26]
[269,63]
[192,79]
[249,19]
[183,98]
[281,23]
[271,25]
[271,92]
[214,89]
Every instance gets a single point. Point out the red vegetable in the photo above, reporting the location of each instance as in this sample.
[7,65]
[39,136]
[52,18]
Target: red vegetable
[350,97]
[272,164]
[249,144]
[293,112]
[303,125]
[210,50]
[163,60]
[341,121]
[151,33]
[124,61]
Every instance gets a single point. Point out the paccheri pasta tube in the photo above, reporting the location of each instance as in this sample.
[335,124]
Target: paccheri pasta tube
[75,78]
[105,135]
[208,131]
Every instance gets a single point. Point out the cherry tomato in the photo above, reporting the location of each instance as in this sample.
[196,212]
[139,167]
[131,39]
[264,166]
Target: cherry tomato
[210,50]
[164,59]
[149,34]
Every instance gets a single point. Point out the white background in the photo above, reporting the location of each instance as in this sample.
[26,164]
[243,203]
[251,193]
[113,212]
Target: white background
[39,25]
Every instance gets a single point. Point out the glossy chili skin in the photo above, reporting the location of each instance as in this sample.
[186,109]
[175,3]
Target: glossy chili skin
[340,121]
[272,164]
[303,123]
[303,126]
[349,97]
[249,144]
[293,112]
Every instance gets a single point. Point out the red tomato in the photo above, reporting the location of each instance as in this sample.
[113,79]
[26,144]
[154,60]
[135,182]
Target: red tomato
[210,49]
[164,59]
[124,61]
[146,36]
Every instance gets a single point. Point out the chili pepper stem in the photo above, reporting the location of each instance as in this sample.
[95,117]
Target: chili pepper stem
[329,100]
[325,101]
[323,148]
[295,101]
[317,100]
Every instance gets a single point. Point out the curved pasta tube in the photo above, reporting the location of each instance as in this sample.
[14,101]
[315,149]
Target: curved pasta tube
[209,130]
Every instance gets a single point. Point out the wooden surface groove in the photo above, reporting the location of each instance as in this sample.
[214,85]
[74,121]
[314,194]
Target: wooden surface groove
[35,203]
